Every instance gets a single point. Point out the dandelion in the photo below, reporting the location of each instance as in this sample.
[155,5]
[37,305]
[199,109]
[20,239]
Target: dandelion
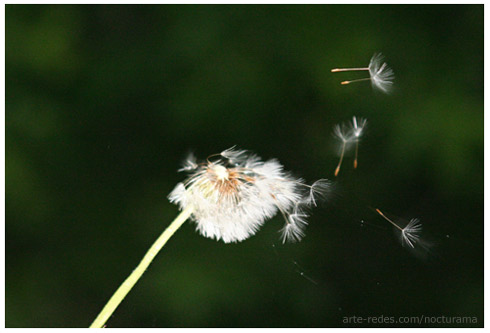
[348,135]
[410,234]
[230,196]
[233,195]
[380,75]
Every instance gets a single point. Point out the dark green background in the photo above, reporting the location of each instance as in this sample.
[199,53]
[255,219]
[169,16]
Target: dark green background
[104,102]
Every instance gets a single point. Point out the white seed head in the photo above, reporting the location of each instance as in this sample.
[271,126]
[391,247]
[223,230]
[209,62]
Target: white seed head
[382,76]
[220,171]
[234,195]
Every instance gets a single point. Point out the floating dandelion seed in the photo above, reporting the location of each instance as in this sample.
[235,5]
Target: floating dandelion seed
[409,235]
[234,194]
[341,134]
[380,75]
[348,135]
[189,164]
[296,222]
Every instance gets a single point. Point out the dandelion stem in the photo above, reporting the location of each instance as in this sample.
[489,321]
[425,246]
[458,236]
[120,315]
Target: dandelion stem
[347,82]
[126,286]
[387,219]
[350,69]
[340,161]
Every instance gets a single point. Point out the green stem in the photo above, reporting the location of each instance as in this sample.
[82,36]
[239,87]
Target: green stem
[124,289]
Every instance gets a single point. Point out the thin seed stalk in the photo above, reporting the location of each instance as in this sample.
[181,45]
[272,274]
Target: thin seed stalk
[350,69]
[357,80]
[387,219]
[357,149]
[131,280]
[340,160]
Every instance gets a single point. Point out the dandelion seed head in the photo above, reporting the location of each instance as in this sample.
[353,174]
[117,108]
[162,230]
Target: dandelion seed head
[382,76]
[233,196]
[220,172]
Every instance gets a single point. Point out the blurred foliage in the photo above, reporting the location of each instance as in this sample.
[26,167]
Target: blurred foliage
[104,102]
